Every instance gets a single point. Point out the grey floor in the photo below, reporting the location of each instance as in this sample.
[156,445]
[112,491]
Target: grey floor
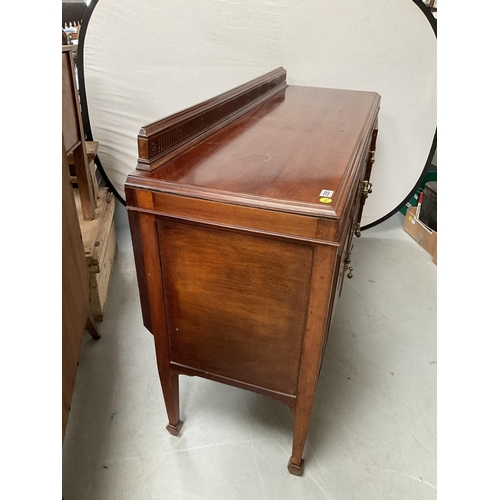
[373,428]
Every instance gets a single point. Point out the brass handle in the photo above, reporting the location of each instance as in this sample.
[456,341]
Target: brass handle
[347,259]
[357,230]
[350,273]
[367,188]
[372,157]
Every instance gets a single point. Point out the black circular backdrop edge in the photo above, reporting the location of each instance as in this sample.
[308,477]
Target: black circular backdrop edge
[88,130]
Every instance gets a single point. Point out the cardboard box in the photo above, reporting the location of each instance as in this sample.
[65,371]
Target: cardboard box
[424,236]
[430,175]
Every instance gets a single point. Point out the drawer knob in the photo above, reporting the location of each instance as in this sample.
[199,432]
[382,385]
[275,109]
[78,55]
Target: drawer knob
[350,273]
[348,258]
[367,188]
[372,157]
[357,230]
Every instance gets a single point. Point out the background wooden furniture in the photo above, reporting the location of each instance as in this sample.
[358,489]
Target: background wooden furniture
[91,147]
[242,212]
[72,16]
[95,204]
[99,243]
[75,292]
[74,135]
[99,235]
[87,210]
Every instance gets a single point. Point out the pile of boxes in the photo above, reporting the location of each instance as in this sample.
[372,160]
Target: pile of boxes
[421,221]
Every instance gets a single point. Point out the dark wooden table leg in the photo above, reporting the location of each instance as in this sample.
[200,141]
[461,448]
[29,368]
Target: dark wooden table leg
[319,297]
[301,425]
[144,229]
[91,327]
[296,470]
[170,388]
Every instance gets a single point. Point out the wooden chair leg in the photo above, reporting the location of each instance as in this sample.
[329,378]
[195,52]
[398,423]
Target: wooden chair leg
[91,327]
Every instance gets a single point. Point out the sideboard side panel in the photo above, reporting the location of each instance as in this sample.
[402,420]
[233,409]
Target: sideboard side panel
[236,303]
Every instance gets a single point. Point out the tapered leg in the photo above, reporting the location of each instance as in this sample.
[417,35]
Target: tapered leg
[170,387]
[317,322]
[301,425]
[144,229]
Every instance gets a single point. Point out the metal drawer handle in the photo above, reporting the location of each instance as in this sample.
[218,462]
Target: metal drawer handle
[347,260]
[367,188]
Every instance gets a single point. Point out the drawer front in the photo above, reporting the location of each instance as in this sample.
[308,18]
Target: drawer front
[361,193]
[351,225]
[341,266]
[346,242]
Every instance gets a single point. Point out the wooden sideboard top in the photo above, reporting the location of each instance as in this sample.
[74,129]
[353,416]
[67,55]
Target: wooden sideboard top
[279,155]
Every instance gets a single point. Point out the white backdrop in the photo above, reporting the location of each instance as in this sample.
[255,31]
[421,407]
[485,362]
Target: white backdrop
[145,60]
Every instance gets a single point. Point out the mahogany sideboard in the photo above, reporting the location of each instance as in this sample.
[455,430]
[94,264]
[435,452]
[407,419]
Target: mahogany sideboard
[242,212]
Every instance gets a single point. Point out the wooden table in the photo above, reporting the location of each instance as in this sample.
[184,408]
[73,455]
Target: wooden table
[242,211]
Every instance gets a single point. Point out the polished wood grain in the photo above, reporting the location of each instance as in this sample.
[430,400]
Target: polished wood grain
[265,157]
[239,263]
[157,315]
[235,302]
[164,139]
[252,219]
[315,331]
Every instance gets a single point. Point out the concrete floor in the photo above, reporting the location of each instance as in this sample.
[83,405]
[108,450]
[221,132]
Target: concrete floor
[373,428]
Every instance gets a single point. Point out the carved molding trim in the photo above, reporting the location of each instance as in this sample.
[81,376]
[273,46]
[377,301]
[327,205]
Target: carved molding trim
[162,140]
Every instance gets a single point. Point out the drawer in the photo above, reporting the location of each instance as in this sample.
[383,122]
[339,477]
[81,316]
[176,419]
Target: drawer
[351,224]
[341,265]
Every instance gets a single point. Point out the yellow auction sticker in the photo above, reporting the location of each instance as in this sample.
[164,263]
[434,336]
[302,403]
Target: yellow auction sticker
[325,200]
